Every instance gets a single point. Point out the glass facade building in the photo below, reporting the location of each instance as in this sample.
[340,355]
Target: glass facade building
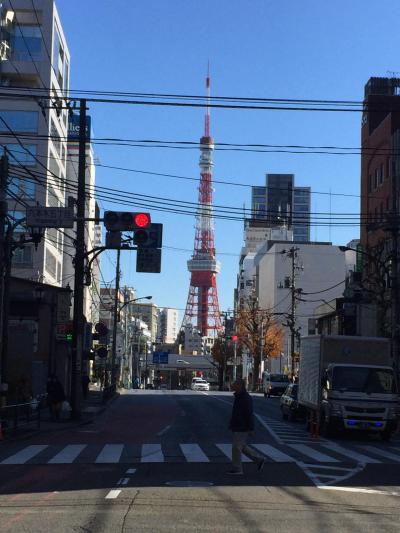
[281,203]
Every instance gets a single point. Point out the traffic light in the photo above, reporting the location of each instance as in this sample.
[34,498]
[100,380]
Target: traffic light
[69,333]
[150,237]
[126,221]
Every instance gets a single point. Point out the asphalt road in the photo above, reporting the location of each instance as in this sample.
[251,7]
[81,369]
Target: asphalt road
[157,461]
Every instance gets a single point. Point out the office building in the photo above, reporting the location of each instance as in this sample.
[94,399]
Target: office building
[35,55]
[280,203]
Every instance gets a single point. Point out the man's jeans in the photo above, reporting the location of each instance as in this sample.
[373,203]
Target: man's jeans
[239,446]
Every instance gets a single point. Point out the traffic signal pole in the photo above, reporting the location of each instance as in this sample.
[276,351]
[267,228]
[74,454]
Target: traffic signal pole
[78,320]
[114,336]
[3,215]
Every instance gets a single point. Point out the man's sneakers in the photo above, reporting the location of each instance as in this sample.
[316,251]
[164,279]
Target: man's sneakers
[260,465]
[235,472]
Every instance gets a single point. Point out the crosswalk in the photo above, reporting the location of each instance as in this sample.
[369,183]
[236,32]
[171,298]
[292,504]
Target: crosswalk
[326,453]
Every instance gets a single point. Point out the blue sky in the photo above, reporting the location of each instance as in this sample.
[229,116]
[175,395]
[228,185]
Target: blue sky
[258,48]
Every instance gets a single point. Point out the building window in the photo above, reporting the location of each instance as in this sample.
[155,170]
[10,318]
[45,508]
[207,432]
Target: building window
[381,174]
[24,155]
[51,264]
[23,257]
[58,58]
[26,43]
[20,121]
[55,137]
[369,183]
[17,216]
[22,187]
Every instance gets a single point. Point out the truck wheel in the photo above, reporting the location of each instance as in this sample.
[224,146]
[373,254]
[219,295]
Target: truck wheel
[386,435]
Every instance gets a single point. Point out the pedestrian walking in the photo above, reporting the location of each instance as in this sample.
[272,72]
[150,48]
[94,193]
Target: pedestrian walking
[55,396]
[241,425]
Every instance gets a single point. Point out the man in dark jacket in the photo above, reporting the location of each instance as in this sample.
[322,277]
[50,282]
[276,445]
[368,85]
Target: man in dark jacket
[241,424]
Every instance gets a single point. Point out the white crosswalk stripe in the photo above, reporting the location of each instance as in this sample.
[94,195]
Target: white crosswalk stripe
[382,453]
[314,454]
[226,449]
[273,453]
[193,453]
[152,453]
[361,458]
[68,454]
[320,452]
[111,453]
[24,455]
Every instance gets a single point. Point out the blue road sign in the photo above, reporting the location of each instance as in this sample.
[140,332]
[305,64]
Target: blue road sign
[160,358]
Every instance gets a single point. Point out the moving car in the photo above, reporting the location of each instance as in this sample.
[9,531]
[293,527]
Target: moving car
[290,407]
[274,384]
[199,384]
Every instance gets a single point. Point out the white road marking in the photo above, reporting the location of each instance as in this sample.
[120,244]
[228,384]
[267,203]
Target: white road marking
[67,454]
[361,458]
[130,471]
[113,494]
[382,453]
[123,481]
[24,455]
[111,453]
[193,453]
[335,468]
[163,431]
[226,449]
[274,453]
[360,490]
[314,454]
[151,453]
[269,429]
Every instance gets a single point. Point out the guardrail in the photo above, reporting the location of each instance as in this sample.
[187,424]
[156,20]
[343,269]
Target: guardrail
[15,416]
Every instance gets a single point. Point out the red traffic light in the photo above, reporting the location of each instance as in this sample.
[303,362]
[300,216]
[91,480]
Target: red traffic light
[234,338]
[142,220]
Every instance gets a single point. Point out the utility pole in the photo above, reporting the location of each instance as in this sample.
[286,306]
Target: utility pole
[3,258]
[291,323]
[78,320]
[394,226]
[114,336]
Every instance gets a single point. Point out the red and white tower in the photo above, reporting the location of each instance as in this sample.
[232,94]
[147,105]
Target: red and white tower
[202,308]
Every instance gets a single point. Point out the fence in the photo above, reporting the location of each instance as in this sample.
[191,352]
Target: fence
[13,417]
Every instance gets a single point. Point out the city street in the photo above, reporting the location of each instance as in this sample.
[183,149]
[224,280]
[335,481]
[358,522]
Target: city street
[157,460]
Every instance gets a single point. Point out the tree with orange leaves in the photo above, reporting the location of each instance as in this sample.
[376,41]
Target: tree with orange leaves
[259,332]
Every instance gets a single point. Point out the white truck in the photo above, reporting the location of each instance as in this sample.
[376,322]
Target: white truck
[348,383]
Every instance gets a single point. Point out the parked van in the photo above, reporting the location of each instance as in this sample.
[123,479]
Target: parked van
[274,384]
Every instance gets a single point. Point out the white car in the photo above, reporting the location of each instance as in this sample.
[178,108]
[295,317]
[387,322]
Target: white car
[200,384]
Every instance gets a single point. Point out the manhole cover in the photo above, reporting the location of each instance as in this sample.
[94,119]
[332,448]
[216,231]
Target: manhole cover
[189,483]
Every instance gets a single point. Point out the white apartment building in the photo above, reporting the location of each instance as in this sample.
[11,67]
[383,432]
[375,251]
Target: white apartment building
[92,230]
[35,55]
[320,273]
[168,327]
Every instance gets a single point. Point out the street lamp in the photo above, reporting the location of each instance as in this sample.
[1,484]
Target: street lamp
[131,302]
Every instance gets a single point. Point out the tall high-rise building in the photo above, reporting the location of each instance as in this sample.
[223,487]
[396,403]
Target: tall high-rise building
[280,203]
[34,55]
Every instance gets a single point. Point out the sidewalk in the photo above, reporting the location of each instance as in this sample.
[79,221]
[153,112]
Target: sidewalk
[92,406]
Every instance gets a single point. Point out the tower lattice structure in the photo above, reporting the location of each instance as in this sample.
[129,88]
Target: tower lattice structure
[202,308]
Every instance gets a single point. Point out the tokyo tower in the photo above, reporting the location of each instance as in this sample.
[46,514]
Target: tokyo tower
[202,308]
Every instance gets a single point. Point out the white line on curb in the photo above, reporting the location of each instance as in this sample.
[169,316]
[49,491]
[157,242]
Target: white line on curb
[113,494]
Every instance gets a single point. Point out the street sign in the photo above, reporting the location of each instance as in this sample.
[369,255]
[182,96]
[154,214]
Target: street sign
[50,217]
[160,358]
[148,260]
[63,307]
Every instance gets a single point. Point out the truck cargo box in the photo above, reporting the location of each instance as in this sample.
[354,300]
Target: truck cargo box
[318,351]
